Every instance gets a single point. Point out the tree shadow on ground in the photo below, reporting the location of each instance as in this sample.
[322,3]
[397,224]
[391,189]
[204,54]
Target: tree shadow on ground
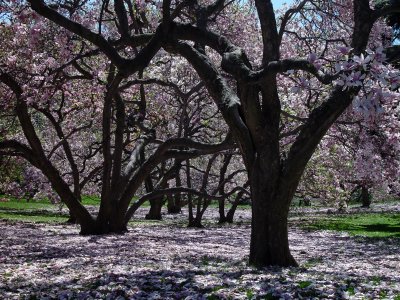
[390,227]
[200,284]
[175,263]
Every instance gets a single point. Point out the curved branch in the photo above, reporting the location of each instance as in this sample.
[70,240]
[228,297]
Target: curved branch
[226,100]
[21,150]
[42,9]
[125,66]
[285,65]
[163,152]
[387,9]
[288,15]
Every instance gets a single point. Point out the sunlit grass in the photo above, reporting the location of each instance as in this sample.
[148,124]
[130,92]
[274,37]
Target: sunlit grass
[369,225]
[13,203]
[39,216]
[33,218]
[38,211]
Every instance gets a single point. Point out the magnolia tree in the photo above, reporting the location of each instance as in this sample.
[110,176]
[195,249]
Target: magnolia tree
[279,83]
[85,125]
[190,115]
[358,158]
[282,108]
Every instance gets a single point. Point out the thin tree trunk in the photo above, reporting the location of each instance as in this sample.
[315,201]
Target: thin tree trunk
[174,204]
[365,197]
[175,201]
[221,210]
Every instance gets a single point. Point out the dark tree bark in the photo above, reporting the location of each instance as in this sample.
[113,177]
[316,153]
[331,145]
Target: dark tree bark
[155,204]
[174,205]
[252,114]
[365,197]
[174,202]
[269,235]
[155,209]
[71,219]
[231,212]
[195,222]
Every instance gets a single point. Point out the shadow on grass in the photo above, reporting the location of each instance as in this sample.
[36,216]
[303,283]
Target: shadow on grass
[33,213]
[374,226]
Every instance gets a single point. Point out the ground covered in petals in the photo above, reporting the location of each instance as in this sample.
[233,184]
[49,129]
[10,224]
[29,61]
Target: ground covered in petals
[166,260]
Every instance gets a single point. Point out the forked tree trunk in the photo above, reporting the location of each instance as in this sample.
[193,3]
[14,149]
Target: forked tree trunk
[231,213]
[200,209]
[228,217]
[174,204]
[196,222]
[114,223]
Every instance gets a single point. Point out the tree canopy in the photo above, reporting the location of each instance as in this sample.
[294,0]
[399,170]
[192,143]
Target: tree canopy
[126,98]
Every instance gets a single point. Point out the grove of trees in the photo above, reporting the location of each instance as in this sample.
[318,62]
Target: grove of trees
[197,100]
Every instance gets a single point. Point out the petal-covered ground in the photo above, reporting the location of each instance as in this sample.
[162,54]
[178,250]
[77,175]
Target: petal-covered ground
[169,261]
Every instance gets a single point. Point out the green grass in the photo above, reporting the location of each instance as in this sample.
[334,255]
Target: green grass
[43,211]
[34,217]
[23,204]
[369,225]
[304,284]
[15,203]
[40,211]
[91,200]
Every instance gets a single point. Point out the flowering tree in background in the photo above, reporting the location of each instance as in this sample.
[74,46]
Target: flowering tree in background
[355,160]
[279,87]
[83,124]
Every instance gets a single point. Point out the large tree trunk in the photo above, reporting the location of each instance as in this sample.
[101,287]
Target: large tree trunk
[98,228]
[269,228]
[269,234]
[114,223]
[155,209]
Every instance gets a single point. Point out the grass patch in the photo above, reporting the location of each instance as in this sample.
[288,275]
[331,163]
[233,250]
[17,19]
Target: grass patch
[312,262]
[40,211]
[91,200]
[369,225]
[41,203]
[304,284]
[34,216]
[21,204]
